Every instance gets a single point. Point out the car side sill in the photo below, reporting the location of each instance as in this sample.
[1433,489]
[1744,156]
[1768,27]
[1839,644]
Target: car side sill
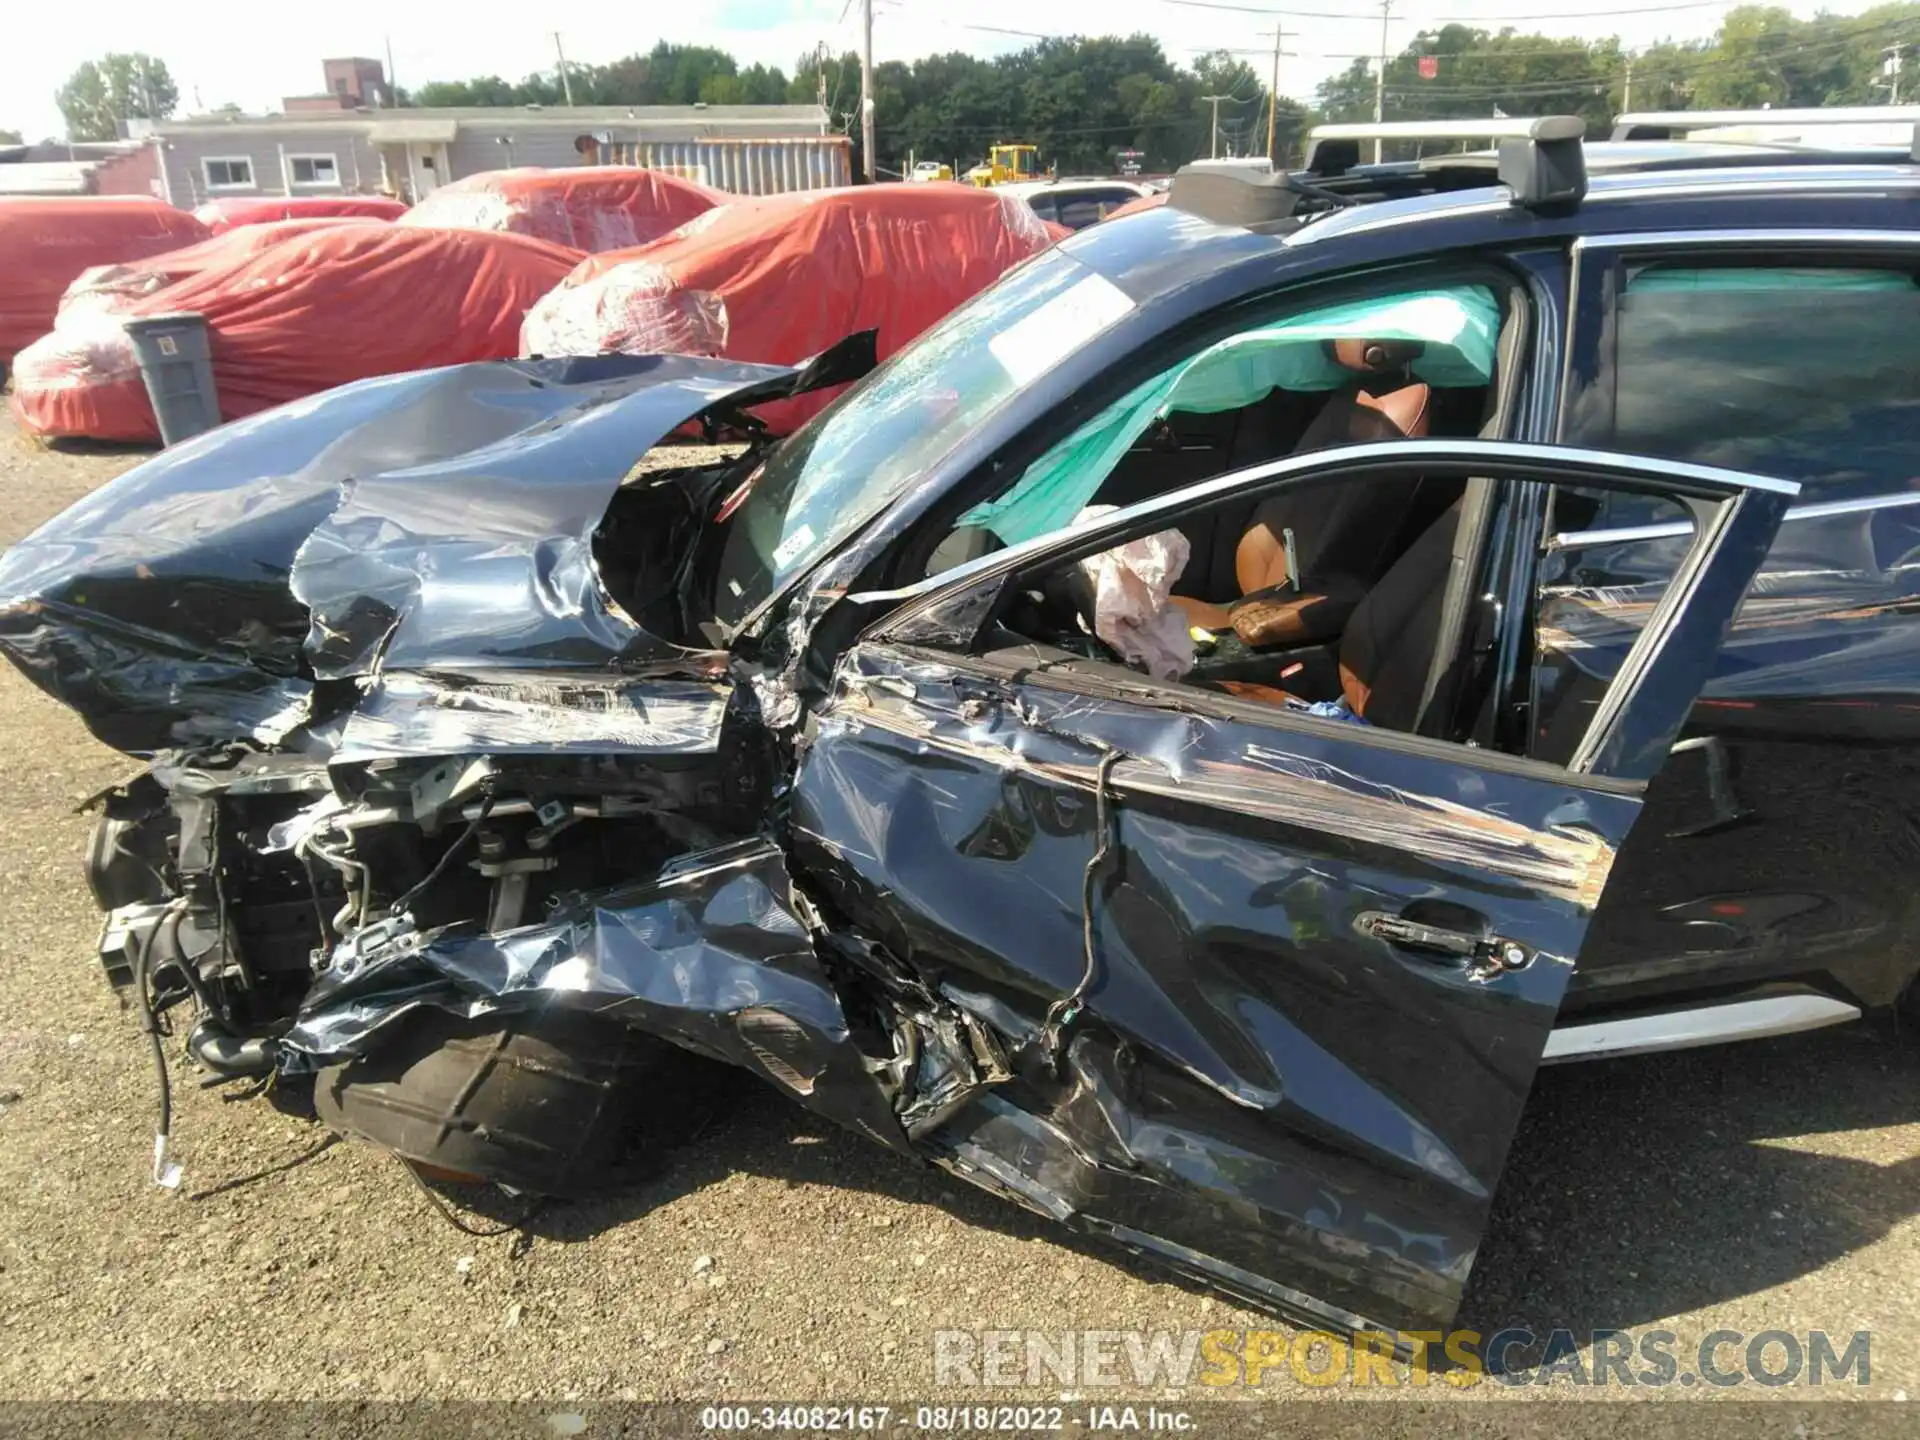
[1684,1029]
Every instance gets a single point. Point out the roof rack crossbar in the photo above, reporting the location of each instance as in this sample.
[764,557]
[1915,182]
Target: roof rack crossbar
[1540,157]
[1546,168]
[1674,124]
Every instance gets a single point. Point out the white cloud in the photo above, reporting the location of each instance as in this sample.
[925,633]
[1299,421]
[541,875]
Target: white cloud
[220,51]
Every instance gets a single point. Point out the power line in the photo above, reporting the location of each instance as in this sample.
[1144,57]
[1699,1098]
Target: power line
[1475,20]
[1668,69]
[1677,63]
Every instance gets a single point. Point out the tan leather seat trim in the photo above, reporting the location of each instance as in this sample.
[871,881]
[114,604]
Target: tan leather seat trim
[1203,613]
[1356,690]
[1252,690]
[1277,621]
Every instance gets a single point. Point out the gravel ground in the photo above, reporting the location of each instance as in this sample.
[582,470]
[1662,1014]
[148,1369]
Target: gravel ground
[1770,1186]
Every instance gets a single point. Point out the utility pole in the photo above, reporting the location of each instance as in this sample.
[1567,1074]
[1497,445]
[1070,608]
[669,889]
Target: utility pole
[566,81]
[1273,95]
[1890,67]
[1380,80]
[1213,149]
[1626,90]
[820,77]
[866,87]
[390,85]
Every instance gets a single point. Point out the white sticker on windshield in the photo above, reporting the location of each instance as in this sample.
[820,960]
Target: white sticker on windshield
[1029,348]
[793,546]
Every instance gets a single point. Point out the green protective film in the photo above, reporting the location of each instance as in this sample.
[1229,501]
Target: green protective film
[1459,328]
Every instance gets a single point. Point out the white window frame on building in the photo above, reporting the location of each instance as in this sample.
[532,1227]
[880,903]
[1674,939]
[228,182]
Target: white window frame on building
[326,157]
[207,162]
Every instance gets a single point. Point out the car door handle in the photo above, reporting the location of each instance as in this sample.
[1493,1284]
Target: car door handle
[1487,953]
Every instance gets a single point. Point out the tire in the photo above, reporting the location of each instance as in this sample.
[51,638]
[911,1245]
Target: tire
[543,1102]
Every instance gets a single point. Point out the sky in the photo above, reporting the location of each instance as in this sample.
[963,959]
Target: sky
[220,51]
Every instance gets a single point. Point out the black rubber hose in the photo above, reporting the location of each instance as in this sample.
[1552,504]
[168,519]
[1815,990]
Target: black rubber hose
[229,1055]
[399,906]
[189,975]
[151,1025]
[1062,1014]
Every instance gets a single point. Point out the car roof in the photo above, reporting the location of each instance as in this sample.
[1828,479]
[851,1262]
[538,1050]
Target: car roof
[1639,154]
[1650,178]
[1025,189]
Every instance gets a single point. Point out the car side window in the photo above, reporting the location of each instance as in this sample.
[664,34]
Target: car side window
[1079,210]
[1409,363]
[1806,371]
[1378,654]
[1593,592]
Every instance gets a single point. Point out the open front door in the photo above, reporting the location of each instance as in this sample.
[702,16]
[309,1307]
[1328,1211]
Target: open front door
[1288,1048]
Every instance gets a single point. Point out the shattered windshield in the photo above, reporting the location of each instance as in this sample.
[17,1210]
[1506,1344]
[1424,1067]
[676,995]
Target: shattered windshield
[856,457]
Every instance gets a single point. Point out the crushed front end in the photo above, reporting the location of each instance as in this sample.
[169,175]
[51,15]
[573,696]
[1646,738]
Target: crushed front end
[451,805]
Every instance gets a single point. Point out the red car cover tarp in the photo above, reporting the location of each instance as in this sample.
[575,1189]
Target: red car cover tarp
[223,215]
[46,241]
[112,288]
[592,208]
[340,303]
[781,278]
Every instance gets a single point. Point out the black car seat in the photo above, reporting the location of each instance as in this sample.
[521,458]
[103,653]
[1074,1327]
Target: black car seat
[1342,534]
[1388,645]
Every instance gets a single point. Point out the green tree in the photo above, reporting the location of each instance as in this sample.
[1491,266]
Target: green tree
[102,95]
[1478,73]
[1082,100]
[10,137]
[1749,61]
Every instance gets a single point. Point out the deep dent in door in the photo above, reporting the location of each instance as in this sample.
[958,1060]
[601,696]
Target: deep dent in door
[1221,1101]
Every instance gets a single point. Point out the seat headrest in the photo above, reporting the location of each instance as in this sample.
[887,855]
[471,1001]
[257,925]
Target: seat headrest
[1375,357]
[1354,417]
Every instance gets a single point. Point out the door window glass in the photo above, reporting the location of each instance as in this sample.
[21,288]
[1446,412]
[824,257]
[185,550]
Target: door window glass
[1807,372]
[1594,591]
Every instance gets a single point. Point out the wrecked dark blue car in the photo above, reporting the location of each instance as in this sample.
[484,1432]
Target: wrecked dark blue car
[1170,747]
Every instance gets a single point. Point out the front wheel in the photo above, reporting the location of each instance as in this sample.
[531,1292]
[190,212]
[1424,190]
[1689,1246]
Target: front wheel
[544,1101]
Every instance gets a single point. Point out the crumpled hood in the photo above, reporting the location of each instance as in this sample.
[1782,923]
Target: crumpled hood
[441,517]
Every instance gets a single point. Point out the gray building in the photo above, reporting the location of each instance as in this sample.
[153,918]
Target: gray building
[410,152]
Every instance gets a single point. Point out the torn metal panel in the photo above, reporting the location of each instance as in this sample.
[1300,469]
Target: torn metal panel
[1466,824]
[484,557]
[711,955]
[404,715]
[160,606]
[1259,1080]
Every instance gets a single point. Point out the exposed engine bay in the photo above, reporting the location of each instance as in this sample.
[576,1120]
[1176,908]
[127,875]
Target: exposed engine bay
[417,883]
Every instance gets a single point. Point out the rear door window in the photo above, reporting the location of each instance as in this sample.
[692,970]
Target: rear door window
[1806,371]
[1773,365]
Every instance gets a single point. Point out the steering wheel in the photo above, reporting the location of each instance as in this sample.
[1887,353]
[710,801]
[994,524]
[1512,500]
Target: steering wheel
[1067,600]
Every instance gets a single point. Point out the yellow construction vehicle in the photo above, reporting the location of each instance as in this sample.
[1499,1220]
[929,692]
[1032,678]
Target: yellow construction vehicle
[1006,164]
